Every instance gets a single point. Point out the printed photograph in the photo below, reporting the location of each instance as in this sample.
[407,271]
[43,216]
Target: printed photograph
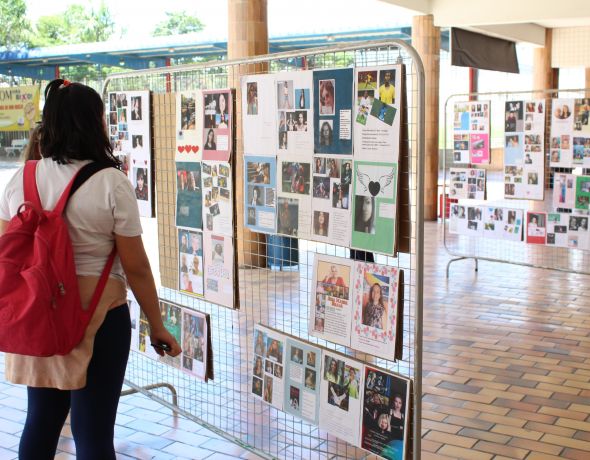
[333,279]
[375,300]
[327,97]
[296,177]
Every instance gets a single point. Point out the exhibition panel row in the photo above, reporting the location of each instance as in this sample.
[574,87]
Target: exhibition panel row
[321,162]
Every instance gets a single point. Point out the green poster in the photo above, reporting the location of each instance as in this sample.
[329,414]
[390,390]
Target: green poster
[374,206]
[582,192]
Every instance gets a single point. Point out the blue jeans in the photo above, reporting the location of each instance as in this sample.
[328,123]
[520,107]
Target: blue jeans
[93,408]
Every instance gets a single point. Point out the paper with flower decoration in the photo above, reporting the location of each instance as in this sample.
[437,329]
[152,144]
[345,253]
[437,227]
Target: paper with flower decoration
[376,318]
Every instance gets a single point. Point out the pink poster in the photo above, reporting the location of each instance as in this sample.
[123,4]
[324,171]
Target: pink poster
[479,148]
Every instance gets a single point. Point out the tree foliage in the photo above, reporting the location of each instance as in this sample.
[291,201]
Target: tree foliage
[75,25]
[178,24]
[14,26]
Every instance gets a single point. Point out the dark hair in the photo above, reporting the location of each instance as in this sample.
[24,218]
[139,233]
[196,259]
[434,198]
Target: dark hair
[73,125]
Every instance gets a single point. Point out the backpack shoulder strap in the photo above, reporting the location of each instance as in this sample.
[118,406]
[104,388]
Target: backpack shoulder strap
[30,183]
[85,173]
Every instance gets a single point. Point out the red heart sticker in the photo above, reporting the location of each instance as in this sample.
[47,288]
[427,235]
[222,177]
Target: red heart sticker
[181,148]
[195,148]
[187,148]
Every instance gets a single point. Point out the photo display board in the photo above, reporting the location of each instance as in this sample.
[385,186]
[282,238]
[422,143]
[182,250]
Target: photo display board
[471,128]
[524,152]
[129,129]
[570,133]
[332,111]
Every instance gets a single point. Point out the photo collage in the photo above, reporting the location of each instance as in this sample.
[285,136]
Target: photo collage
[467,183]
[524,152]
[190,328]
[363,405]
[217,125]
[486,221]
[260,200]
[129,130]
[376,117]
[313,195]
[358,305]
[268,366]
[204,196]
[471,132]
[570,133]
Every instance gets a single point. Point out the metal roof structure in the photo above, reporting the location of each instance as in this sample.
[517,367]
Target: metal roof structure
[40,63]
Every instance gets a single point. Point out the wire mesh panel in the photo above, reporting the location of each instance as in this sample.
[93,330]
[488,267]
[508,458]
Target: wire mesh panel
[277,297]
[502,250]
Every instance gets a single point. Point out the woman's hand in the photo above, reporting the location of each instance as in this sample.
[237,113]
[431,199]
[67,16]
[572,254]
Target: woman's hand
[162,336]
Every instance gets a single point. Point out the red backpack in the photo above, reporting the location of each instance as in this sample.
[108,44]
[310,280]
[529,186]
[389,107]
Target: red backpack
[41,312]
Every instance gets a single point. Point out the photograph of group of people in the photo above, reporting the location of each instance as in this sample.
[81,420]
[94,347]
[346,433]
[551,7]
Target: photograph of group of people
[357,304]
[128,126]
[267,366]
[341,395]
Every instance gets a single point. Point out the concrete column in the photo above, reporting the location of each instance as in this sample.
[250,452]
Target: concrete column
[247,36]
[426,40]
[544,76]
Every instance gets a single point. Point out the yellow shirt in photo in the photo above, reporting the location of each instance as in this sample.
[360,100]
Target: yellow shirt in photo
[387,95]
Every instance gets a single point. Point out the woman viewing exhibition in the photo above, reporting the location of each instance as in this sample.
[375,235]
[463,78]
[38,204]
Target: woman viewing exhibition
[102,213]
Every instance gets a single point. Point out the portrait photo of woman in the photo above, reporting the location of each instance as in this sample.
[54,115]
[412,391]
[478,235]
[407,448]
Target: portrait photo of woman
[364,214]
[210,143]
[374,310]
[141,186]
[326,132]
[320,223]
[327,97]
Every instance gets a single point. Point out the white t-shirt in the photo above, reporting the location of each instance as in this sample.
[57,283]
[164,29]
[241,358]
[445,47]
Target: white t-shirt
[103,206]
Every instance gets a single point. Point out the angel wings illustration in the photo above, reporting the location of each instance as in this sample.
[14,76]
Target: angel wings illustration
[374,187]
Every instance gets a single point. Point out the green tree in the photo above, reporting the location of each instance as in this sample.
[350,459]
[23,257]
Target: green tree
[75,25]
[14,26]
[177,24]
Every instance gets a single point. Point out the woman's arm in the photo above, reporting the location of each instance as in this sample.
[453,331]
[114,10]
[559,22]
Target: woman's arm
[139,276]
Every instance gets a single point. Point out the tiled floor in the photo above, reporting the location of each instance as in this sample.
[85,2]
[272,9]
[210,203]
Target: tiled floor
[506,373]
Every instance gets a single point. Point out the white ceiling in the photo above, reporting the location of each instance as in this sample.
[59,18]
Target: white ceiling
[516,20]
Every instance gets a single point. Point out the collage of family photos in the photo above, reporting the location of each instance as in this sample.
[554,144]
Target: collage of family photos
[471,127]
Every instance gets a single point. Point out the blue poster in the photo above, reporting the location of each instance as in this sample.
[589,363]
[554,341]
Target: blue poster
[189,195]
[332,111]
[260,193]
